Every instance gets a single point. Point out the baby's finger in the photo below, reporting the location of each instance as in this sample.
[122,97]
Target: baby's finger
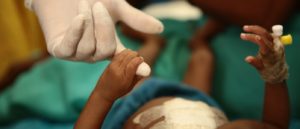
[118,57]
[254,62]
[128,58]
[259,31]
[257,40]
[67,47]
[132,67]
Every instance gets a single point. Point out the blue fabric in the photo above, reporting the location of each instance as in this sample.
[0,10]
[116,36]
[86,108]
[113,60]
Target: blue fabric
[150,89]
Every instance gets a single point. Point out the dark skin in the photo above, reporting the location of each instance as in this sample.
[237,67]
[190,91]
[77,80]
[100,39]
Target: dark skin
[151,43]
[122,71]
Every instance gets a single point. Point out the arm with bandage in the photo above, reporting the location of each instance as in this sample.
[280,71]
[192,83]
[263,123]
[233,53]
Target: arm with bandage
[272,66]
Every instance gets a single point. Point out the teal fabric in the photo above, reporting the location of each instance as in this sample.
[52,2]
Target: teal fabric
[51,90]
[152,88]
[56,90]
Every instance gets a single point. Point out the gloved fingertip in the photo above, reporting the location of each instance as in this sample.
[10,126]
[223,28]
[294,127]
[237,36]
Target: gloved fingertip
[98,6]
[84,7]
[159,27]
[78,22]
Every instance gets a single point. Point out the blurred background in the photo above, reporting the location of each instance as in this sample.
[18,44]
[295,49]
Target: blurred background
[20,34]
[38,91]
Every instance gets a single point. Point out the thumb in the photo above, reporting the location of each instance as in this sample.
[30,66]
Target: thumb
[137,19]
[254,62]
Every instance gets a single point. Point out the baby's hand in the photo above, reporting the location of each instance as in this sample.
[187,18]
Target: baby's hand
[270,61]
[119,77]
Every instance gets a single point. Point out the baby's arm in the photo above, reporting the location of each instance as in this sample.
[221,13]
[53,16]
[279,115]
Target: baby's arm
[117,80]
[271,64]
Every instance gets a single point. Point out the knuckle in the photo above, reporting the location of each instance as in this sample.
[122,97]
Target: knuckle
[83,54]
[135,53]
[126,51]
[61,51]
[116,73]
[265,32]
[113,66]
[130,66]
[257,26]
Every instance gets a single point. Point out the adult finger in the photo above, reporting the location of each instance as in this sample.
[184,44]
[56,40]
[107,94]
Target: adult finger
[86,46]
[104,32]
[137,19]
[67,46]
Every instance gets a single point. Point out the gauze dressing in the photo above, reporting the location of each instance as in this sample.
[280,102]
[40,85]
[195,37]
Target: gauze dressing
[180,113]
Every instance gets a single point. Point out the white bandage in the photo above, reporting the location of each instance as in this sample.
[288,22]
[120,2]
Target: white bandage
[275,66]
[182,114]
[277,30]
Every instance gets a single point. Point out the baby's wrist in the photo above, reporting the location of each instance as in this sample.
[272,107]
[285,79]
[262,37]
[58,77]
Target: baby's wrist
[105,94]
[275,68]
[275,75]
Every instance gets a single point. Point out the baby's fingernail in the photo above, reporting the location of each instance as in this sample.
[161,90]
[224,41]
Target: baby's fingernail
[257,37]
[247,59]
[243,35]
[246,27]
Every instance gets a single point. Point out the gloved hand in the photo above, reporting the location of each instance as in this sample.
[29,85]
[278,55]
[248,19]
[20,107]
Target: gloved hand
[83,30]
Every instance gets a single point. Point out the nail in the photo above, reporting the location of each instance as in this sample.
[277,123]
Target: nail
[243,35]
[257,37]
[142,58]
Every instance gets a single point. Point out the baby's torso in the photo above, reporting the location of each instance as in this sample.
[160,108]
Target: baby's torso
[165,112]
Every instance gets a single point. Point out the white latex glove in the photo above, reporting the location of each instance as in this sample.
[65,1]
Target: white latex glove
[83,30]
